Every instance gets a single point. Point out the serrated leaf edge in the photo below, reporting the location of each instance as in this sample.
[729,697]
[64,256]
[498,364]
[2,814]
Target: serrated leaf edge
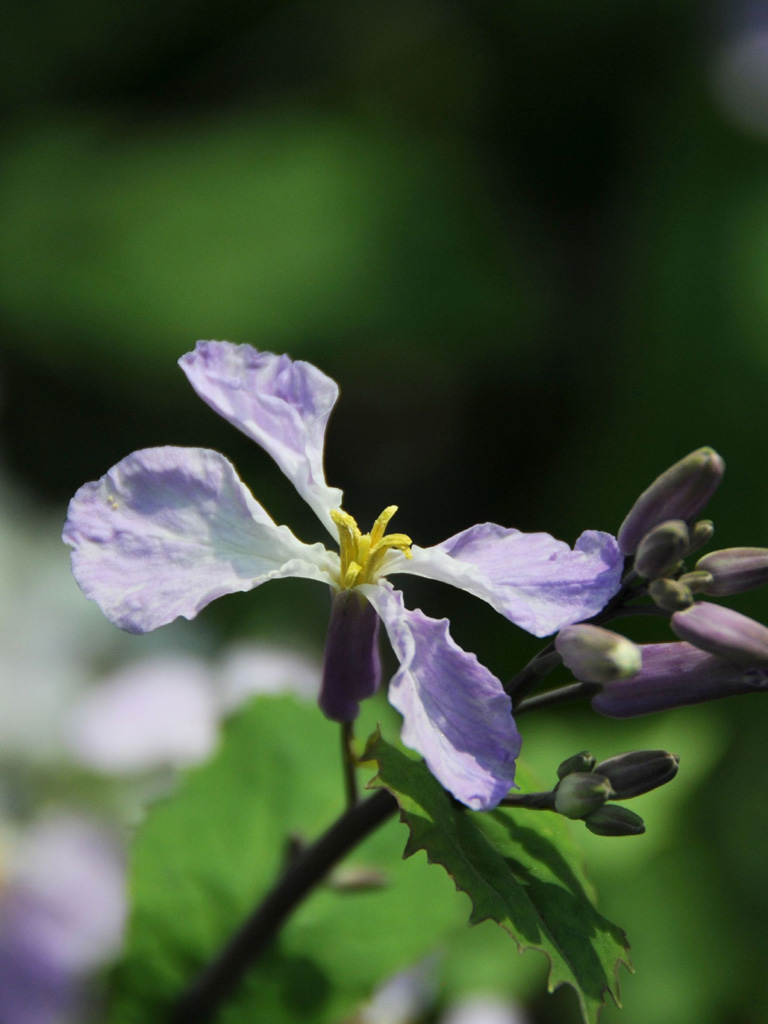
[413,846]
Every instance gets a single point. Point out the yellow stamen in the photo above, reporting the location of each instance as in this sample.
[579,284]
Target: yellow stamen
[351,576]
[362,554]
[380,526]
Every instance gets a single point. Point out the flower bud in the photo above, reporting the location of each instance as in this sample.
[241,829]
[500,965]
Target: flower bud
[674,675]
[615,821]
[681,492]
[597,655]
[581,793]
[697,581]
[638,771]
[670,595]
[662,548]
[583,762]
[724,632]
[701,534]
[351,665]
[735,570]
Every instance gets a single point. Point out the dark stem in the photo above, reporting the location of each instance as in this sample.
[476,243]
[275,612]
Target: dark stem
[200,1002]
[533,801]
[562,695]
[349,763]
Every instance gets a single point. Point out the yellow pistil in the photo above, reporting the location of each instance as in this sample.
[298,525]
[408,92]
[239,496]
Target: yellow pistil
[362,554]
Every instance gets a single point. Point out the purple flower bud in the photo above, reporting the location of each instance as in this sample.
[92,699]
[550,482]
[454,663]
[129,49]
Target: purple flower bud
[662,548]
[671,595]
[615,821]
[351,667]
[597,655]
[735,570]
[638,771]
[674,675]
[681,492]
[581,793]
[724,632]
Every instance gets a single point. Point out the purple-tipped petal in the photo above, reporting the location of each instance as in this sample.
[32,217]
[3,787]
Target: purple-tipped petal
[535,581]
[280,403]
[351,666]
[168,530]
[456,713]
[674,675]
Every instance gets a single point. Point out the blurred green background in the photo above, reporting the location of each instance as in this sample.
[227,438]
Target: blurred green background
[528,238]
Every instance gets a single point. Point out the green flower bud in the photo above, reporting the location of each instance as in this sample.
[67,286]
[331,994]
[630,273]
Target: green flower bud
[583,762]
[638,771]
[670,595]
[735,570]
[662,548]
[681,492]
[701,534]
[597,655]
[581,793]
[697,581]
[614,821]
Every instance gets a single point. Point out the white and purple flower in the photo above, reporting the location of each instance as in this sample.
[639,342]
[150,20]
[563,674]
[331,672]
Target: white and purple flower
[62,915]
[167,530]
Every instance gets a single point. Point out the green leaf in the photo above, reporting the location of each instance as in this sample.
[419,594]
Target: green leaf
[519,869]
[206,856]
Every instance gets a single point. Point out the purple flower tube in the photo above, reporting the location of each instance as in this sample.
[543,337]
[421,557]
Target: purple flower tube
[724,632]
[674,675]
[351,667]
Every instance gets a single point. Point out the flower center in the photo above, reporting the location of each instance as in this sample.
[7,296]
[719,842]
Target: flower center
[362,554]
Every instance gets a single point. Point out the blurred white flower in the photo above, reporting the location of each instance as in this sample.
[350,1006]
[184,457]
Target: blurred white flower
[250,669]
[165,710]
[404,997]
[156,712]
[740,80]
[483,1009]
[49,638]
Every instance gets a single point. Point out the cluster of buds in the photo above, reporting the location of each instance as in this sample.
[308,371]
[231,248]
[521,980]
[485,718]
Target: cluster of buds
[585,787]
[661,529]
[718,652]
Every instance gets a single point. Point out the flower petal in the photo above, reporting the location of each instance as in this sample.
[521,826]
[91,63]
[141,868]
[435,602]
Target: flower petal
[167,530]
[280,403]
[456,713]
[535,581]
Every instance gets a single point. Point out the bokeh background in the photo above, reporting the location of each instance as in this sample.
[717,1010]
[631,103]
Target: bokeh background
[528,238]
